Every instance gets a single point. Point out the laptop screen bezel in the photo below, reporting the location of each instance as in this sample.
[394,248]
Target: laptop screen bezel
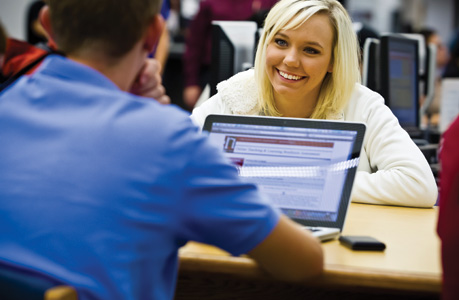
[359,128]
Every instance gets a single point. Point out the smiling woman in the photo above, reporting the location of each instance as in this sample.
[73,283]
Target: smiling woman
[307,66]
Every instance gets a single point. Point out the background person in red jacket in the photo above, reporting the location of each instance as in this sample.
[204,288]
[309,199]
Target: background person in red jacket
[448,221]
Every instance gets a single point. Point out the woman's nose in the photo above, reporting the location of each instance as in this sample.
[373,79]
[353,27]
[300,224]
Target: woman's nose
[291,58]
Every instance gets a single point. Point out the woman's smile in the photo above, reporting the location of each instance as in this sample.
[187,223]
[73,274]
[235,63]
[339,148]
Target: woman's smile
[290,76]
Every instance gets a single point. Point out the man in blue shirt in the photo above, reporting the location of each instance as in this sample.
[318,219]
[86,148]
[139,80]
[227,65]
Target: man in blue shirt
[100,188]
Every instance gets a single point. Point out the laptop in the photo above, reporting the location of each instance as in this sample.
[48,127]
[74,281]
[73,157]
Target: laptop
[305,167]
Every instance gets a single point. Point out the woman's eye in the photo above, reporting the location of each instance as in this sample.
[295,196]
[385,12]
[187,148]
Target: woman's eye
[311,50]
[280,42]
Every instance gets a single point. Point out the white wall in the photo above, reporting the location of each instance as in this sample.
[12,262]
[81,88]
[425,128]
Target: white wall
[436,14]
[13,17]
[379,12]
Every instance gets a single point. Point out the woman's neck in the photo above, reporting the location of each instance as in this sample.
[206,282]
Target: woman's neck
[295,108]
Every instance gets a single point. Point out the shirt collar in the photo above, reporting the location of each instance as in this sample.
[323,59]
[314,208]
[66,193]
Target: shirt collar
[64,68]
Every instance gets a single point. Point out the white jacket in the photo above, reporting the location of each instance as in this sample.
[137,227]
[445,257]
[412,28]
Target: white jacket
[392,169]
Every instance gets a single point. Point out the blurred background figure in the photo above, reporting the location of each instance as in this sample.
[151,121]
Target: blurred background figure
[448,223]
[173,21]
[197,57]
[452,68]
[36,35]
[431,36]
[188,10]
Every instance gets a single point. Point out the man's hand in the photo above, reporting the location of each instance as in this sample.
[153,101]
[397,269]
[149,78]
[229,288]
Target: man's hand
[149,83]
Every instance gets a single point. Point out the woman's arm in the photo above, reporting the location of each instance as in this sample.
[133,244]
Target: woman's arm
[397,172]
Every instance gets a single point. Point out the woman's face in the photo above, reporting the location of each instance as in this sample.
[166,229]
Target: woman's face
[298,60]
[442,51]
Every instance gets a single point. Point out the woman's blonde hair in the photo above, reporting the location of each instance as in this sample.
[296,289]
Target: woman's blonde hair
[337,86]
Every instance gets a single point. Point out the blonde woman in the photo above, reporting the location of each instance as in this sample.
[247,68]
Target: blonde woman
[307,67]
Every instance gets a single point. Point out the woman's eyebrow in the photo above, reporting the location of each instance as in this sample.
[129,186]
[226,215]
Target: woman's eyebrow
[314,44]
[309,43]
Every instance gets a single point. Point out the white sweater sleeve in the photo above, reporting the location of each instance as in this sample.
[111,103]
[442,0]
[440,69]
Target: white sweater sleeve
[398,172]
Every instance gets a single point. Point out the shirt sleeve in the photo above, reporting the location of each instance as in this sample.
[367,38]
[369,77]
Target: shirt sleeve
[218,208]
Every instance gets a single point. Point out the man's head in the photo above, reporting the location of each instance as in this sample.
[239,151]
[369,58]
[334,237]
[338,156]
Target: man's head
[112,27]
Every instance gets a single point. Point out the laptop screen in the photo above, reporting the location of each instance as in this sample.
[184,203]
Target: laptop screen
[302,165]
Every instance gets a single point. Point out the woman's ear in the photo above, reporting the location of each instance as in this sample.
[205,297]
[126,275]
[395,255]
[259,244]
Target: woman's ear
[154,32]
[330,67]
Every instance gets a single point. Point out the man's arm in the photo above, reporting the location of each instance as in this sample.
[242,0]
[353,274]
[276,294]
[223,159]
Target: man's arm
[289,252]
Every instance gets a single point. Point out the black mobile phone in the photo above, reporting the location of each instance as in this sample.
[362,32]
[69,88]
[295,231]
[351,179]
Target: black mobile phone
[359,242]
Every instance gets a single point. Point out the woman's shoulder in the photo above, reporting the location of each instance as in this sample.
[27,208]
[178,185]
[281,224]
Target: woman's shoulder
[362,94]
[362,102]
[363,97]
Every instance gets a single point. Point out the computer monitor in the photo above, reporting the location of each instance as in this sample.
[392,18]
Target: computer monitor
[399,75]
[233,48]
[422,52]
[430,77]
[370,64]
[427,56]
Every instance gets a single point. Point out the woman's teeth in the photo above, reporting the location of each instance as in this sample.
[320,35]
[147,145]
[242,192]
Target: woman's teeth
[288,76]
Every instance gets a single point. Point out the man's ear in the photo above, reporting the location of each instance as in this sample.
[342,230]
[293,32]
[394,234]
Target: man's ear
[46,23]
[154,32]
[45,20]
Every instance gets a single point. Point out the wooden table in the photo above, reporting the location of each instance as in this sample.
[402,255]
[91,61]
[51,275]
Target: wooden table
[409,268]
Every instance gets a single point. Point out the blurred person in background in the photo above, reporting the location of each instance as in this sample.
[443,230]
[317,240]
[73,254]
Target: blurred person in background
[448,222]
[431,37]
[452,68]
[197,57]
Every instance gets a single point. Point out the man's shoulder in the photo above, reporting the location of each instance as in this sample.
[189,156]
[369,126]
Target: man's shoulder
[94,99]
[145,113]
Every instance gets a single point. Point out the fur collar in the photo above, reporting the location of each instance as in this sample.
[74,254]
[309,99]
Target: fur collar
[239,93]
